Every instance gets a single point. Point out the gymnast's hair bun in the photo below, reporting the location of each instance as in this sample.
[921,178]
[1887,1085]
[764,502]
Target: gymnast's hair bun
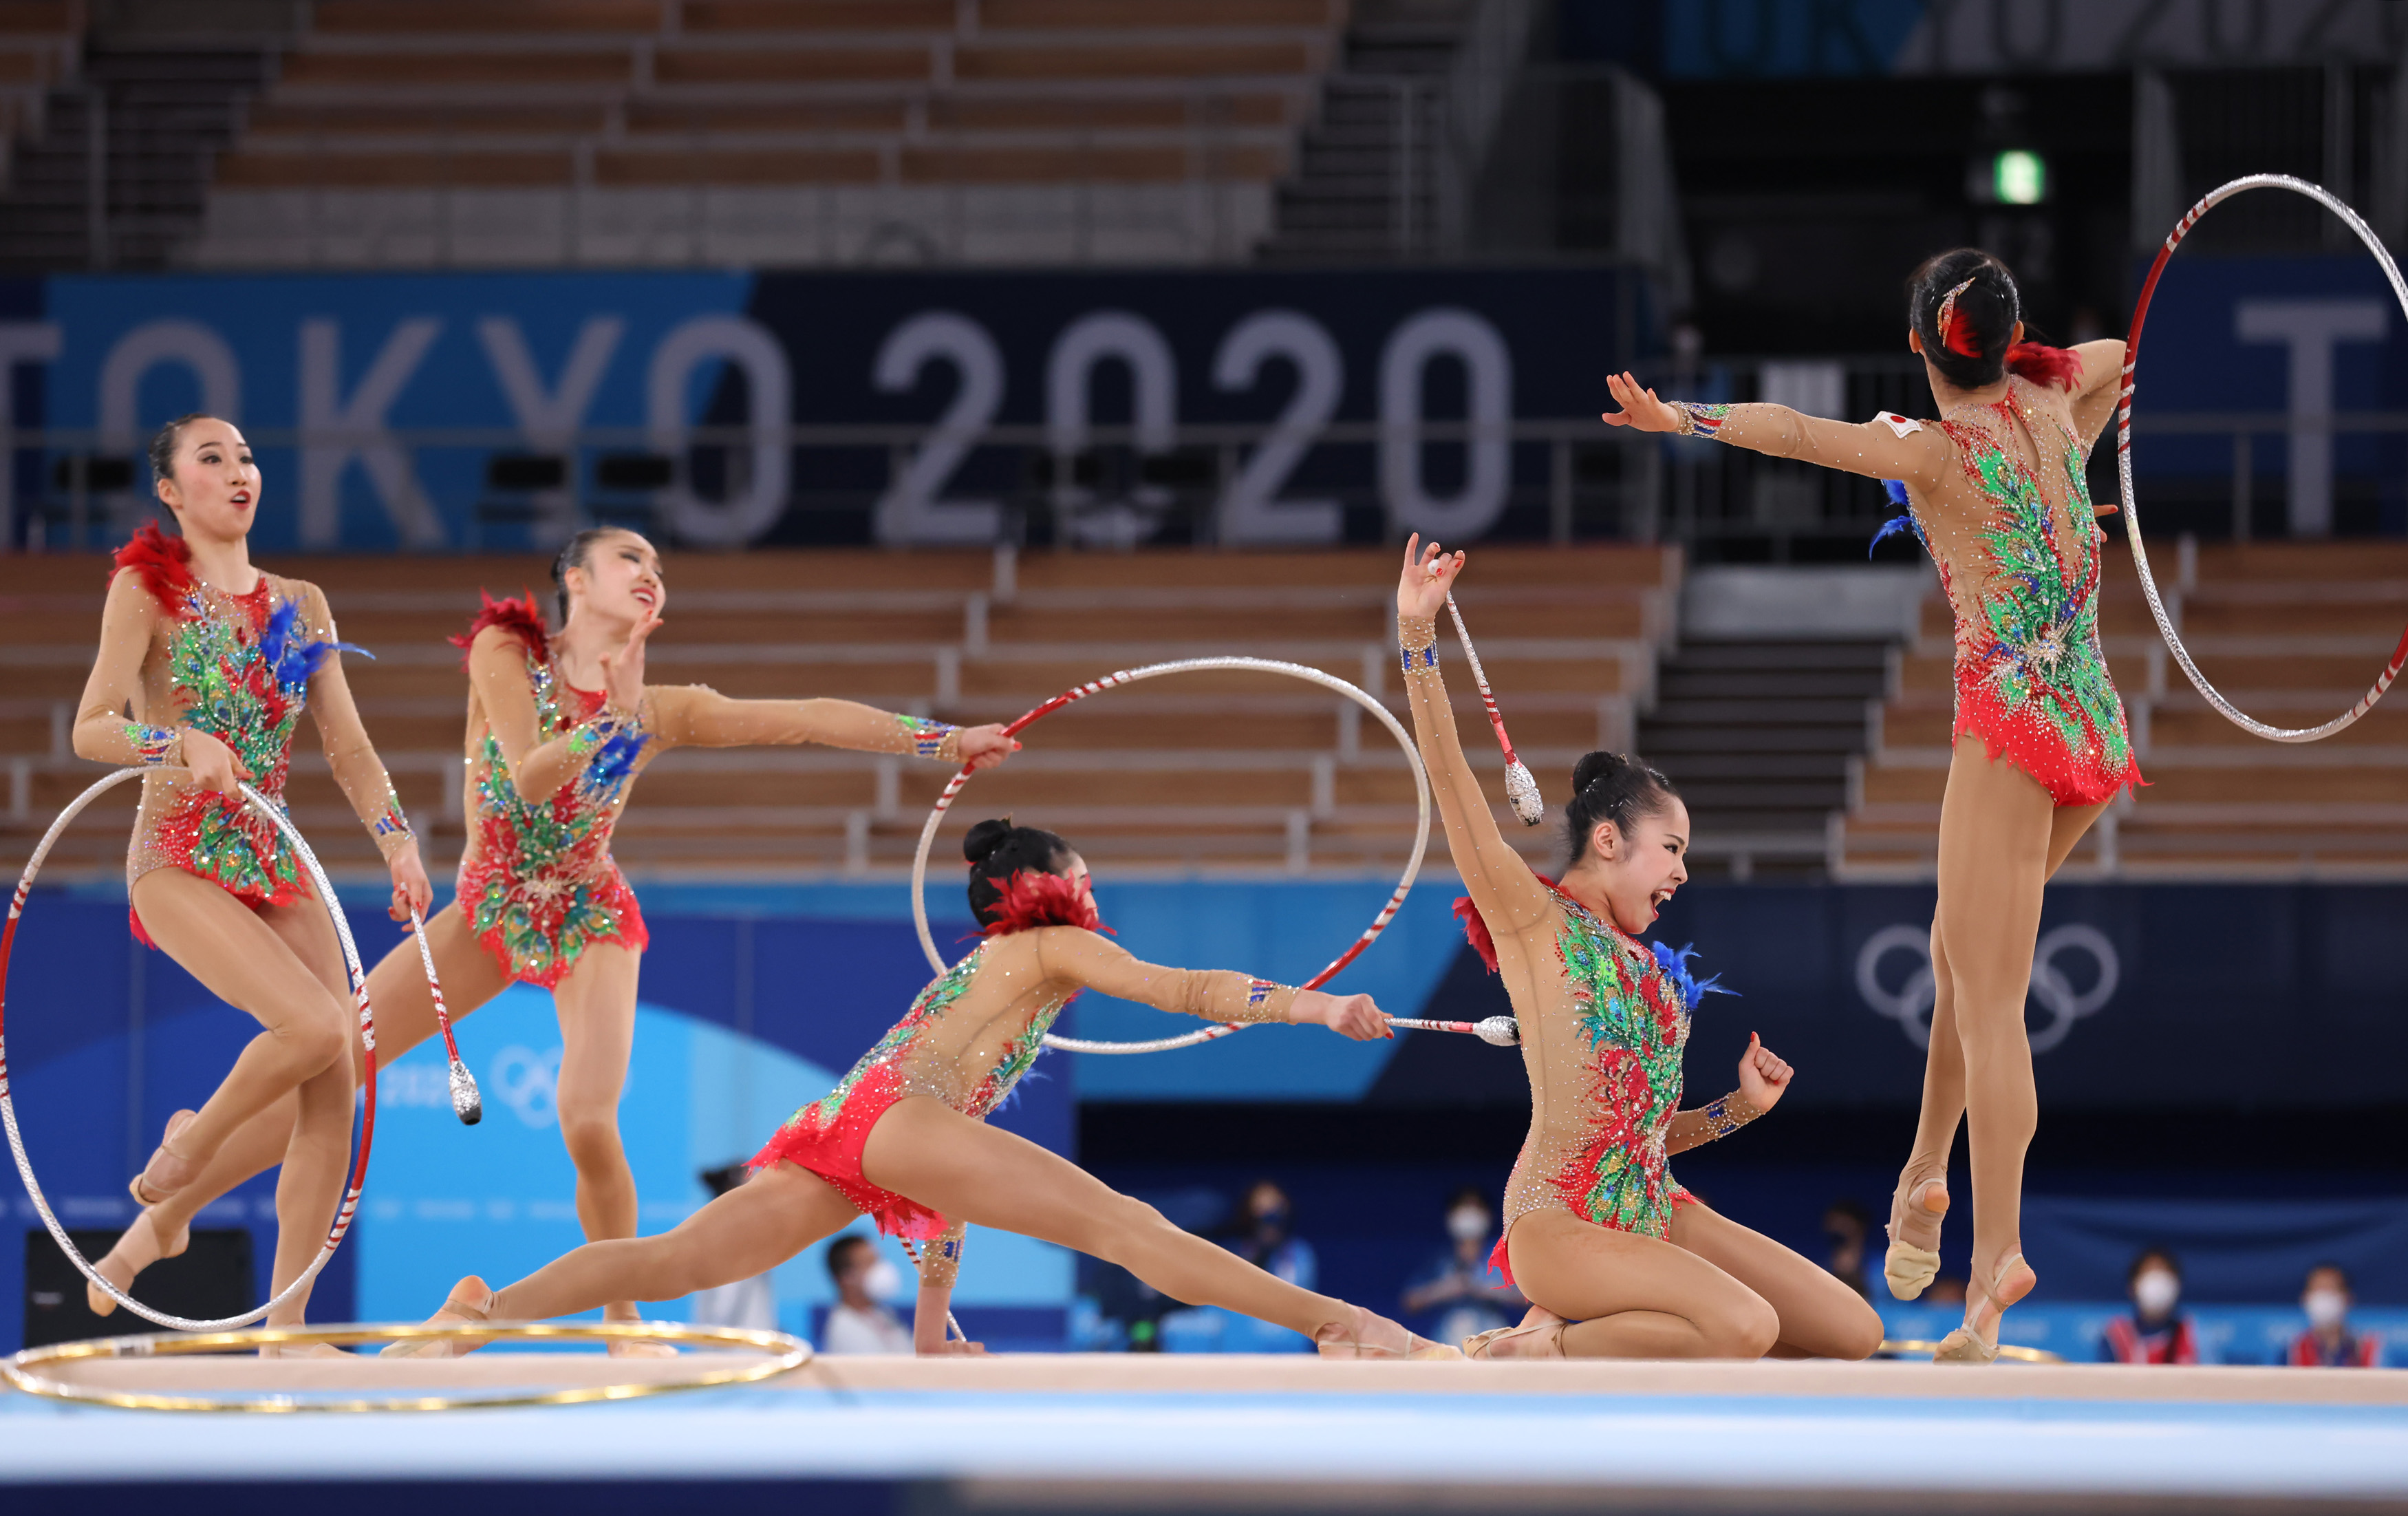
[1594,766]
[985,838]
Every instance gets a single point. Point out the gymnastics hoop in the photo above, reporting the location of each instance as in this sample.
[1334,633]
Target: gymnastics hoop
[353,1184]
[2123,454]
[790,1354]
[1155,670]
[2006,1349]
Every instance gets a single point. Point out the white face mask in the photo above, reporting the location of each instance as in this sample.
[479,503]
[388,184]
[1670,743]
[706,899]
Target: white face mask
[2156,1292]
[882,1281]
[2325,1307]
[1467,1223]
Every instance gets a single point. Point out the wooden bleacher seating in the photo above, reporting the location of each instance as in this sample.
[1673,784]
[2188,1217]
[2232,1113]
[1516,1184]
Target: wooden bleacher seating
[2292,633]
[1219,770]
[404,94]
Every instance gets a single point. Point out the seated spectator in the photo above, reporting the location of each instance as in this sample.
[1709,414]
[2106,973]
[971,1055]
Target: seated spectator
[1260,1237]
[747,1303]
[2329,1342]
[1844,1225]
[859,1322]
[2153,1332]
[1456,1292]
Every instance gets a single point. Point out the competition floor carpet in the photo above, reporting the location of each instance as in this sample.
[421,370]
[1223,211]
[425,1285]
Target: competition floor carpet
[1168,1434]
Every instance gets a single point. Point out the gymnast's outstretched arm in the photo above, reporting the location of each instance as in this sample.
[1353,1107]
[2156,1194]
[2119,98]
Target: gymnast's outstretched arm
[1918,454]
[1509,895]
[1077,956]
[698,715]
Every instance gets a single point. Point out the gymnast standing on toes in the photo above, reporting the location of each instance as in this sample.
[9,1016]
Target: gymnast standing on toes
[1617,1260]
[559,725]
[213,660]
[903,1139]
[1996,491]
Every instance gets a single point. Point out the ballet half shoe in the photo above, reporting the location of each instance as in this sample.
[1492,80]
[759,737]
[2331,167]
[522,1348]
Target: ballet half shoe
[1417,1348]
[1966,1346]
[1910,1269]
[1480,1345]
[138,1187]
[459,1309]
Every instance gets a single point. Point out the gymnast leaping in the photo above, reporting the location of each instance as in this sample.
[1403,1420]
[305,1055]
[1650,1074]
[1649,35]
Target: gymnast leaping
[207,662]
[1617,1260]
[903,1137]
[1996,491]
[559,725]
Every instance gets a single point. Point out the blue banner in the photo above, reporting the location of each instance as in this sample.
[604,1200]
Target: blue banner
[897,408]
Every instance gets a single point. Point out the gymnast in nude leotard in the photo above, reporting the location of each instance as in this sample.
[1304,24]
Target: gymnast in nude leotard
[206,662]
[1616,1260]
[1996,491]
[560,724]
[903,1137]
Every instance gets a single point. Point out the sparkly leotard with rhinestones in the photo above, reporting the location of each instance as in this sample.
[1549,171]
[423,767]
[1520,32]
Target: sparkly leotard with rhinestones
[2021,579]
[550,771]
[179,653]
[973,1034]
[2016,541]
[1604,1017]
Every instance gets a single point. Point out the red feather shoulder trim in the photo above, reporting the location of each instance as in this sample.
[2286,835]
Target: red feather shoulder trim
[162,562]
[517,615]
[1031,899]
[2046,366]
[1475,926]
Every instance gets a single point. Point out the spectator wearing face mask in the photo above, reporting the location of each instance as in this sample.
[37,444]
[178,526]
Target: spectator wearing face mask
[1262,1238]
[1457,1288]
[1845,1224]
[859,1321]
[2329,1342]
[2153,1332]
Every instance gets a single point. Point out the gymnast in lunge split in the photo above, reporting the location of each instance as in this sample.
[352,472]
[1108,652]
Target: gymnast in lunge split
[1996,491]
[559,725]
[903,1137]
[1617,1260]
[206,662]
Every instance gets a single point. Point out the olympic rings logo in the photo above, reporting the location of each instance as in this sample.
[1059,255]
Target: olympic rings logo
[528,1082]
[1911,1001]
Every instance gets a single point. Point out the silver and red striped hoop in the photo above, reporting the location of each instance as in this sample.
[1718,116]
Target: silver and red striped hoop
[1155,670]
[2123,454]
[353,1184]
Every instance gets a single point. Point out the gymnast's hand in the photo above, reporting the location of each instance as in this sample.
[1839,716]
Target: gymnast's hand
[1428,576]
[213,764]
[409,886]
[983,747]
[622,671]
[1348,1016]
[1762,1076]
[1639,407]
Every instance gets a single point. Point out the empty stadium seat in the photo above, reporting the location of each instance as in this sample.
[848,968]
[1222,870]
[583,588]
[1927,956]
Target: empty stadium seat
[1223,769]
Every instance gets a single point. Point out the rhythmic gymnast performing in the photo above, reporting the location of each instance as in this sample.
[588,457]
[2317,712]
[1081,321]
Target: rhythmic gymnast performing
[559,726]
[1618,1260]
[1995,490]
[206,662]
[903,1137]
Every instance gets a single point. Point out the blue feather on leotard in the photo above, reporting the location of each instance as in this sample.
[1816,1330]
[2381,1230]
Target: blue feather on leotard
[1896,490]
[290,654]
[1675,964]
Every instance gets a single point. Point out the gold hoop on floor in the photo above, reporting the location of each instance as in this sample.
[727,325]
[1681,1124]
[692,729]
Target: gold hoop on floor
[788,1353]
[2006,1349]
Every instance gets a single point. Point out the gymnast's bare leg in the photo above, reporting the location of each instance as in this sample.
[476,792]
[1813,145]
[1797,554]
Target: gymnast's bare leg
[972,1172]
[1922,1196]
[405,1017]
